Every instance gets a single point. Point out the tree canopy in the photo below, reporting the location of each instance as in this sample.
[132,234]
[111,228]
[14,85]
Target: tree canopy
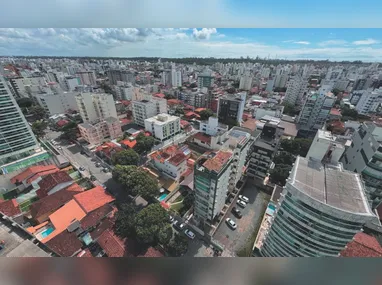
[280,173]
[38,128]
[205,114]
[125,157]
[38,112]
[25,102]
[348,113]
[336,91]
[290,110]
[69,131]
[144,143]
[284,157]
[136,181]
[125,221]
[178,245]
[296,146]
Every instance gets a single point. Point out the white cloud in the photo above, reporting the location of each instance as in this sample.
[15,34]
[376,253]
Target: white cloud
[220,36]
[289,41]
[302,43]
[203,34]
[366,42]
[332,43]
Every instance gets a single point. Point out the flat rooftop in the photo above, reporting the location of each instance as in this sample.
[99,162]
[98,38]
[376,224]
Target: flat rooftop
[216,162]
[331,185]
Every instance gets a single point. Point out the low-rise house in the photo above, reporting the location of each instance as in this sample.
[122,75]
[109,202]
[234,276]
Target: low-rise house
[53,182]
[33,174]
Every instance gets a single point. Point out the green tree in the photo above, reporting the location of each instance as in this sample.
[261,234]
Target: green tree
[38,128]
[205,114]
[144,143]
[125,221]
[290,110]
[280,173]
[151,225]
[25,102]
[193,85]
[336,91]
[136,181]
[69,131]
[125,157]
[284,157]
[349,113]
[297,146]
[178,245]
[38,112]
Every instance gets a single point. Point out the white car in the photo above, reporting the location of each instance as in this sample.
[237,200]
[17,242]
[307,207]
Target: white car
[171,219]
[231,223]
[243,198]
[59,148]
[190,234]
[241,203]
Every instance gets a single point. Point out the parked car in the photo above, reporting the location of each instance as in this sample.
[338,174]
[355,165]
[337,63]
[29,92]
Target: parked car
[189,233]
[59,148]
[241,203]
[237,212]
[171,219]
[105,170]
[81,168]
[98,164]
[179,225]
[243,198]
[231,223]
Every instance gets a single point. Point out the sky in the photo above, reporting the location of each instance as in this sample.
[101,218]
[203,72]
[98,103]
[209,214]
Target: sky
[332,44]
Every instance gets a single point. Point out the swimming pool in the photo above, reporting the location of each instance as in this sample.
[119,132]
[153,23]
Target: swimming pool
[272,207]
[162,197]
[47,232]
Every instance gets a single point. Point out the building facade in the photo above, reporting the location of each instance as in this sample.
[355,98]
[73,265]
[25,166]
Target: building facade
[297,88]
[16,137]
[145,109]
[163,126]
[369,101]
[96,106]
[231,108]
[87,78]
[245,82]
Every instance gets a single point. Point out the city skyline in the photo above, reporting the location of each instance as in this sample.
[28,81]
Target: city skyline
[291,44]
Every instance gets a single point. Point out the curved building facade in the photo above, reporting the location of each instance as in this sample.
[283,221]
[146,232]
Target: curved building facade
[320,210]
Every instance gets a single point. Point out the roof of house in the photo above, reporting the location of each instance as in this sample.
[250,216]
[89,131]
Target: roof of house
[108,147]
[63,217]
[50,181]
[62,123]
[151,252]
[202,137]
[85,253]
[41,174]
[53,202]
[95,217]
[362,245]
[65,244]
[129,143]
[113,245]
[10,208]
[335,112]
[30,171]
[159,95]
[93,199]
[126,102]
[190,114]
[103,226]
[184,123]
[177,159]
[198,110]
[174,102]
[250,123]
[217,162]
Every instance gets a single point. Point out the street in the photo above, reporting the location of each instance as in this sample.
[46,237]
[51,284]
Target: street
[235,240]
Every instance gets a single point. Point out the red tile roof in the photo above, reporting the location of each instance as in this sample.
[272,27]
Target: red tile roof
[10,208]
[202,137]
[151,252]
[103,226]
[65,244]
[198,110]
[129,143]
[95,217]
[335,112]
[174,102]
[62,123]
[191,114]
[41,174]
[53,202]
[177,159]
[217,162]
[85,253]
[93,199]
[113,245]
[29,172]
[159,95]
[250,123]
[108,148]
[50,181]
[362,245]
[126,102]
[184,123]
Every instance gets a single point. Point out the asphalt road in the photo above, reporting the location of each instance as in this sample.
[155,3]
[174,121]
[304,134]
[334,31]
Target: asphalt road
[234,240]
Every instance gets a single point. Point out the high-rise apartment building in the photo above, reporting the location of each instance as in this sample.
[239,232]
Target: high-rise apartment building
[205,79]
[369,101]
[321,208]
[315,110]
[96,106]
[19,85]
[296,89]
[17,140]
[163,126]
[245,82]
[231,108]
[176,78]
[145,109]
[87,78]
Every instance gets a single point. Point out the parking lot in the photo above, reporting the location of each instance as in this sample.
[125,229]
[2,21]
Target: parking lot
[235,240]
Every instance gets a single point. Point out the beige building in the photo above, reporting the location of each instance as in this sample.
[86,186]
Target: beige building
[96,133]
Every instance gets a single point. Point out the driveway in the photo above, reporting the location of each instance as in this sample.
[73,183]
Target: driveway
[234,240]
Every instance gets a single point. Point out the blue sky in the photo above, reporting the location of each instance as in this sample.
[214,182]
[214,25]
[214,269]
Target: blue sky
[332,44]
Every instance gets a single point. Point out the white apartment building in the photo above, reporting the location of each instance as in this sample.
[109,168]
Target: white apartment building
[245,82]
[281,80]
[265,72]
[57,102]
[145,109]
[212,126]
[176,78]
[96,133]
[163,126]
[87,78]
[297,87]
[369,101]
[94,107]
[270,84]
[124,91]
[19,85]
[70,83]
[16,137]
[316,219]
[315,110]
[212,173]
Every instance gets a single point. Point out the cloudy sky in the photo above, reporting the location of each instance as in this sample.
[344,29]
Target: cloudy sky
[333,44]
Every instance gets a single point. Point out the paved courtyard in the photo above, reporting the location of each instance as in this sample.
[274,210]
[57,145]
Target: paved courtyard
[234,240]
